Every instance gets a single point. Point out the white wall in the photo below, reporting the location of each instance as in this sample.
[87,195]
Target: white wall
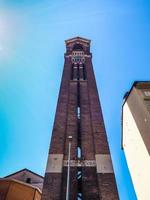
[137,156]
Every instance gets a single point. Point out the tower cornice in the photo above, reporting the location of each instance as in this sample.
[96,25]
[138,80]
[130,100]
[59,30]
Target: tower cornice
[77,39]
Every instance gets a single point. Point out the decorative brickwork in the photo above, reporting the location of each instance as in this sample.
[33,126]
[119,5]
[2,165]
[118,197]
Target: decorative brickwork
[79,115]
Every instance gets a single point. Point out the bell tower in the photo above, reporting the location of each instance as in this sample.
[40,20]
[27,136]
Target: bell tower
[79,164]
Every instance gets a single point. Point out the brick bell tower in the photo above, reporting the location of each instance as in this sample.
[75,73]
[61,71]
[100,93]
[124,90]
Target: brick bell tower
[79,116]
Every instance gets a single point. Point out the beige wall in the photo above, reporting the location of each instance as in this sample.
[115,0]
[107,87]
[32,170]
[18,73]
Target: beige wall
[138,107]
[15,190]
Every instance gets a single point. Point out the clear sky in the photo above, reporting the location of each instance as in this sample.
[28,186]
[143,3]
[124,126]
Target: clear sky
[32,34]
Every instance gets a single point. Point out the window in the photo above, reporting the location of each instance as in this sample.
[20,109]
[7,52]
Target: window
[79,182]
[84,73]
[79,196]
[78,47]
[28,180]
[78,112]
[77,57]
[79,152]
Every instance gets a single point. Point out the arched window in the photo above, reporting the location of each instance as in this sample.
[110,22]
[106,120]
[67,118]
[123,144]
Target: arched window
[78,47]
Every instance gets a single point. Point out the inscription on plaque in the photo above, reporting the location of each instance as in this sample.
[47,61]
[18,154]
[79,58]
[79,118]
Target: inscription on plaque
[80,163]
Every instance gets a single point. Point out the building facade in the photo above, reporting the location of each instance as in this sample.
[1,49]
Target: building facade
[23,184]
[27,176]
[79,116]
[136,137]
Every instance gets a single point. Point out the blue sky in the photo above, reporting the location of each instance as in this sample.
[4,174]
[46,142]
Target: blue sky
[32,34]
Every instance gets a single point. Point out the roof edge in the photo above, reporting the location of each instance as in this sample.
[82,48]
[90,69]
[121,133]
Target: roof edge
[127,94]
[77,38]
[133,85]
[22,183]
[25,169]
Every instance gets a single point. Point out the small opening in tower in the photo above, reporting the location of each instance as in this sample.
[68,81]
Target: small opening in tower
[78,47]
[84,73]
[78,112]
[72,69]
[78,94]
[79,196]
[79,152]
[79,182]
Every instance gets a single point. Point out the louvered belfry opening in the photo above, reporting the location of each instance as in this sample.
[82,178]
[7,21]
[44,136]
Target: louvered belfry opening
[79,115]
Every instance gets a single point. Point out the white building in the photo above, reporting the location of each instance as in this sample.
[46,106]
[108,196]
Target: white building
[136,137]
